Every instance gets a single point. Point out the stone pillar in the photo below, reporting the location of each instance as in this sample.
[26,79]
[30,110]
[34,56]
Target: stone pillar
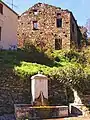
[39,85]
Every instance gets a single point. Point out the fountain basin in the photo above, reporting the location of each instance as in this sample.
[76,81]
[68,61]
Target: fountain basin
[27,111]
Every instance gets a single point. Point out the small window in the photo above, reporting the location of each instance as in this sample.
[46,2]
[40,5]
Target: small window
[59,22]
[72,27]
[35,25]
[1,8]
[58,44]
[35,12]
[58,14]
[0,33]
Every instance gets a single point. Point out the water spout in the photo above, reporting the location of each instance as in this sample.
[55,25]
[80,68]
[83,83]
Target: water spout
[41,100]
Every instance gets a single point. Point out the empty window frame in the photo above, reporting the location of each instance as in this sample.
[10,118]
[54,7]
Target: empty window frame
[1,8]
[35,25]
[35,12]
[59,22]
[58,14]
[58,44]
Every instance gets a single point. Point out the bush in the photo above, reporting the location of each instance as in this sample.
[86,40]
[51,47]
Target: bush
[68,67]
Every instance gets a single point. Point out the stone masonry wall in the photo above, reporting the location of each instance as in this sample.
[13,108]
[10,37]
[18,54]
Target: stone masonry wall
[47,30]
[12,91]
[46,16]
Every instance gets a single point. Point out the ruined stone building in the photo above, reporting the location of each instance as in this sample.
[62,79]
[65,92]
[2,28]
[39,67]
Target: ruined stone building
[48,27]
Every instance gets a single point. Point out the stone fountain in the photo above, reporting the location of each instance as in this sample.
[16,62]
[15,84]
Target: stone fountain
[39,107]
[39,89]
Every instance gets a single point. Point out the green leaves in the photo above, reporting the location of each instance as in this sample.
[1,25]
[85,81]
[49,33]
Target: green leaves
[68,67]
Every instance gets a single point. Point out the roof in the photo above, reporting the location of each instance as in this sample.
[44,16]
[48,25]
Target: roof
[9,7]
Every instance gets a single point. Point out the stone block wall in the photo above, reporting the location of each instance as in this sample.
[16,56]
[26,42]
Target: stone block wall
[47,31]
[13,90]
[57,93]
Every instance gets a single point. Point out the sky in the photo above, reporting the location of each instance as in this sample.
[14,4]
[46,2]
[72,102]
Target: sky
[79,8]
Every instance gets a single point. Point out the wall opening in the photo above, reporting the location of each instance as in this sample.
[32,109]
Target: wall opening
[59,22]
[35,12]
[35,25]
[58,44]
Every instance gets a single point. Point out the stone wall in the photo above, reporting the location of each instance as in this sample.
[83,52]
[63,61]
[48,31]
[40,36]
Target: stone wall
[47,31]
[75,33]
[57,93]
[12,91]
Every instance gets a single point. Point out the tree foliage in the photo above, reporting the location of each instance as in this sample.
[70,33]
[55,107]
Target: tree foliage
[70,68]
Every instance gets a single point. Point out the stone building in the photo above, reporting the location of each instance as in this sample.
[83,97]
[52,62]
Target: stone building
[48,27]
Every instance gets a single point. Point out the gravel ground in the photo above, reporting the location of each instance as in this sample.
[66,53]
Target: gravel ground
[7,117]
[12,117]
